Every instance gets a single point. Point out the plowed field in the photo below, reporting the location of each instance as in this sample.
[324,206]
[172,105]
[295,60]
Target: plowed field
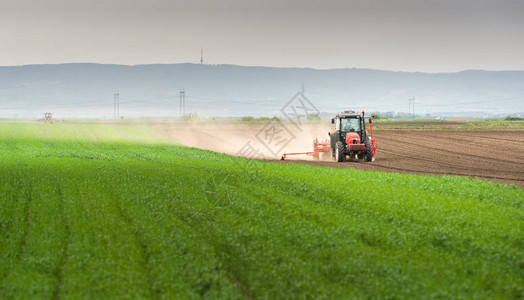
[492,155]
[496,155]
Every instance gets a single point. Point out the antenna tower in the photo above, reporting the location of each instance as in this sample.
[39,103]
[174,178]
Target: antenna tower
[116,108]
[182,103]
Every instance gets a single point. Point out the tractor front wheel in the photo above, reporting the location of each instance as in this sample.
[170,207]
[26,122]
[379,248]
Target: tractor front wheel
[339,152]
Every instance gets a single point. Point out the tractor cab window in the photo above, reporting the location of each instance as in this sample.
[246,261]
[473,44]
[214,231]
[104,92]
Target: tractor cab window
[350,124]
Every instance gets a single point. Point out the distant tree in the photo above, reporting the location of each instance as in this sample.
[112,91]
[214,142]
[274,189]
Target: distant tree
[510,118]
[191,118]
[313,117]
[389,115]
[260,119]
[376,115]
[264,119]
[401,116]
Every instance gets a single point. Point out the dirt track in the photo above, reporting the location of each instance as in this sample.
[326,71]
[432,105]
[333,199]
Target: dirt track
[496,155]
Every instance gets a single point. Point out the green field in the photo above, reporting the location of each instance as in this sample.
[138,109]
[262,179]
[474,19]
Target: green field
[100,212]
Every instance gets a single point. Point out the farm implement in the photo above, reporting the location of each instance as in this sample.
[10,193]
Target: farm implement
[319,148]
[348,140]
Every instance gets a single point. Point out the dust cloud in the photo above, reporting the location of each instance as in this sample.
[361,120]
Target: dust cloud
[263,140]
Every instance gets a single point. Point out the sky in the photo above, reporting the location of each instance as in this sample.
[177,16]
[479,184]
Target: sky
[405,35]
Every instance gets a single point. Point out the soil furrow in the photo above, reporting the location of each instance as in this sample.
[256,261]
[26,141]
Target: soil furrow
[496,155]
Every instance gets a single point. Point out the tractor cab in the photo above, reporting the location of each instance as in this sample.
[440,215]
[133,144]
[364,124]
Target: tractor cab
[349,122]
[350,137]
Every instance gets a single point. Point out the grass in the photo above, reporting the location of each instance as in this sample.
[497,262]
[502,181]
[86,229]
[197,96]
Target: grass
[91,211]
[497,123]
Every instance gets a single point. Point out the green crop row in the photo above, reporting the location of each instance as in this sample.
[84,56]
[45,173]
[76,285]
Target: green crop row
[496,123]
[109,217]
[81,133]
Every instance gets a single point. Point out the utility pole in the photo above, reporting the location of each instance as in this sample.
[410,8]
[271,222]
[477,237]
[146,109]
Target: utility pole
[116,107]
[411,107]
[201,55]
[182,103]
[414,114]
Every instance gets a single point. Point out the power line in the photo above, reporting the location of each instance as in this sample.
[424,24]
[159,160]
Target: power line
[252,102]
[246,101]
[471,102]
[411,107]
[90,103]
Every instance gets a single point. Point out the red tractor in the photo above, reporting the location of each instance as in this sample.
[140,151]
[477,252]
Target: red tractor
[349,140]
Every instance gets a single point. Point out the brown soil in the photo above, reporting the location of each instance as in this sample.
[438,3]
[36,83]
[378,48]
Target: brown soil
[495,155]
[492,155]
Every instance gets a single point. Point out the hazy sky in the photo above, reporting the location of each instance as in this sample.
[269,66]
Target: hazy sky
[406,35]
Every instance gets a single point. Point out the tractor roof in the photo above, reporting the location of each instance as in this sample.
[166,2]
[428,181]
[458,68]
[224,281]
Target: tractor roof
[348,114]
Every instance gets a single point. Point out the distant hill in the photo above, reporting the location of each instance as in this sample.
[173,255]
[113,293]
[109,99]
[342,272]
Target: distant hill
[87,90]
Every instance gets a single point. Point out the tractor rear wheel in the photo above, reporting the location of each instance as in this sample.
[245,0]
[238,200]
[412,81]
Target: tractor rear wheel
[339,152]
[333,145]
[369,151]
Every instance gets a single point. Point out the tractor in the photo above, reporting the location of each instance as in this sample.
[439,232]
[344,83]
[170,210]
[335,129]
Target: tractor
[48,118]
[350,138]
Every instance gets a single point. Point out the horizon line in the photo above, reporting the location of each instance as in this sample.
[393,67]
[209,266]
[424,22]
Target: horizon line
[249,66]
